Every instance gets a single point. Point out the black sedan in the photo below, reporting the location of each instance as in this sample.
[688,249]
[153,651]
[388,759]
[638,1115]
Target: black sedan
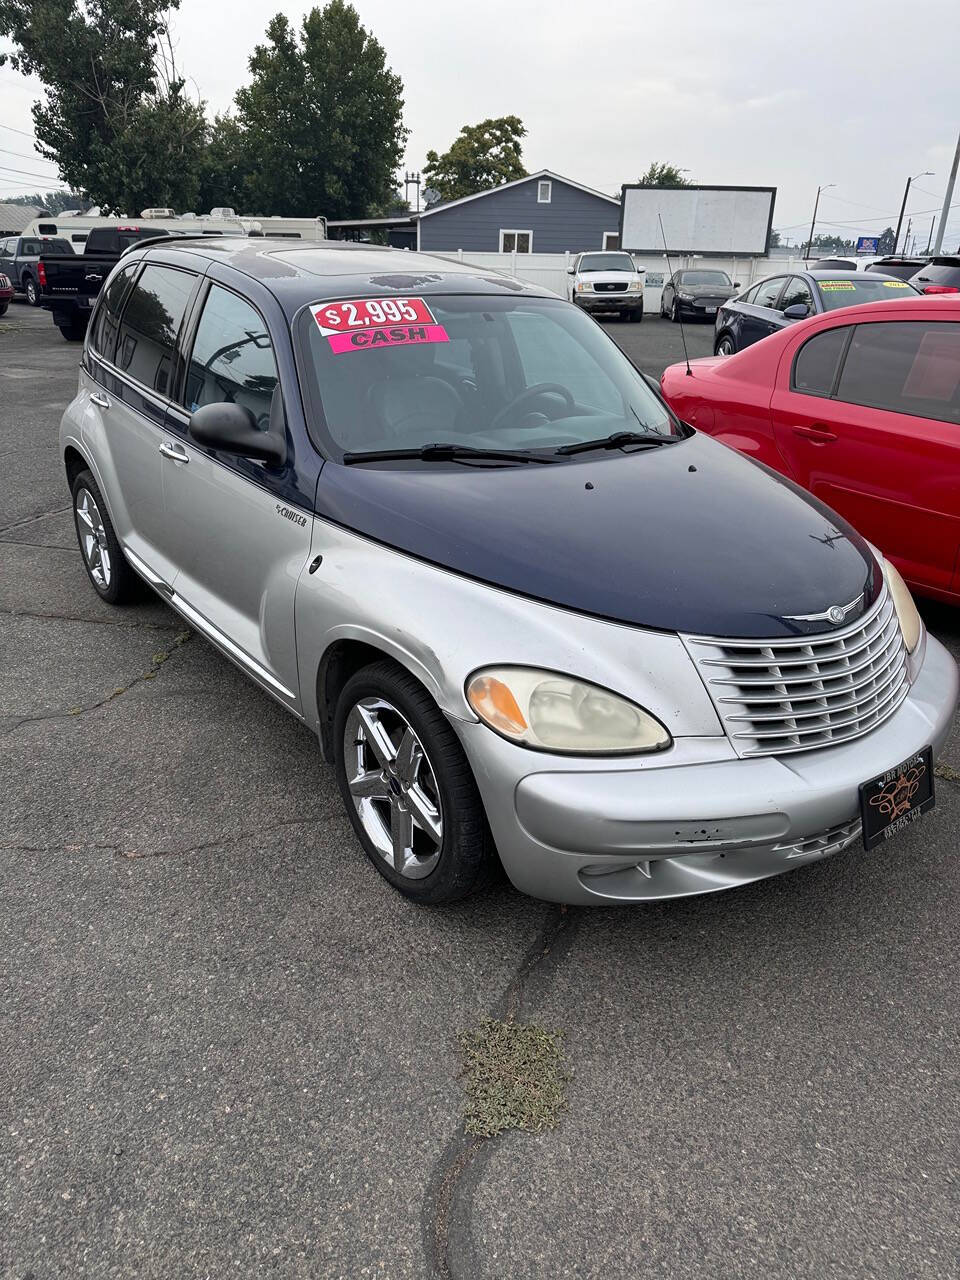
[696,293]
[781,300]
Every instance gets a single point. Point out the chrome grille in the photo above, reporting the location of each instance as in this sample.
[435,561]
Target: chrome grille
[830,841]
[775,696]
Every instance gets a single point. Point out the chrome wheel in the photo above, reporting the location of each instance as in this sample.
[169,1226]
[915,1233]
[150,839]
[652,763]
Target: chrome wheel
[725,347]
[393,787]
[93,539]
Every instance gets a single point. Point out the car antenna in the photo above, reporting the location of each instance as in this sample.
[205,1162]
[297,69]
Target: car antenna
[683,336]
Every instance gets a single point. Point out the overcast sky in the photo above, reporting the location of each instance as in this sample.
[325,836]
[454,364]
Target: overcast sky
[860,93]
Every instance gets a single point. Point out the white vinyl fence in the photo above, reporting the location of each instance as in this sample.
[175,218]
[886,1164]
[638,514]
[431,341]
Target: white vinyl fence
[550,270]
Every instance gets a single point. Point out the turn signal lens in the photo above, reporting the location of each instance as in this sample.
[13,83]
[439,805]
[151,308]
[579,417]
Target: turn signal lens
[910,622]
[551,712]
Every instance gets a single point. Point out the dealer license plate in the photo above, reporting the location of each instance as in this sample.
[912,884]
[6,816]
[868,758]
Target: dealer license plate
[897,798]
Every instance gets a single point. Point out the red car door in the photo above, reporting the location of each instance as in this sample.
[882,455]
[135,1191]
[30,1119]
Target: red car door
[867,416]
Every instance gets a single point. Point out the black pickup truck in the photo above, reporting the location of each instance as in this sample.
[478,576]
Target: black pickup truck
[69,282]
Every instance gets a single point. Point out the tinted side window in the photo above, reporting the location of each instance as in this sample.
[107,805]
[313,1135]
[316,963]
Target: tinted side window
[151,321]
[767,292]
[104,335]
[232,357]
[815,368]
[30,248]
[908,367]
[796,293]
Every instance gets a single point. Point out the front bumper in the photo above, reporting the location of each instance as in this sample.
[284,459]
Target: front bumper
[695,819]
[609,301]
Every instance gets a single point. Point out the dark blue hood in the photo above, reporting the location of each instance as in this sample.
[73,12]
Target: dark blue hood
[688,537]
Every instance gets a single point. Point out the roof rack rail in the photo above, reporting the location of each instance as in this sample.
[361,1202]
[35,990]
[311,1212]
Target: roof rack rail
[178,236]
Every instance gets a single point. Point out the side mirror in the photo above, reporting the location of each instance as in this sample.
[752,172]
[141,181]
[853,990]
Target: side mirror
[799,311]
[232,428]
[736,284]
[571,271]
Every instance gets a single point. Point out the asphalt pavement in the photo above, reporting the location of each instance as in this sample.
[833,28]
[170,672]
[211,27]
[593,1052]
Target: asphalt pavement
[227,1048]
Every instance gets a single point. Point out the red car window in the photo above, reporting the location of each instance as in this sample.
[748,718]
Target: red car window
[910,367]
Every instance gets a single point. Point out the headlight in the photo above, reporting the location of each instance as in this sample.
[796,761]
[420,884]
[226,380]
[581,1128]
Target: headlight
[635,286]
[582,286]
[685,297]
[910,622]
[551,712]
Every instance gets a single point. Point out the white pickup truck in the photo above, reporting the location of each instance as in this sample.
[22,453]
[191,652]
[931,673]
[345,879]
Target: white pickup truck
[609,281]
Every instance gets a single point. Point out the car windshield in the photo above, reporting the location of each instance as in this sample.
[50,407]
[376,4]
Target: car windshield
[706,277]
[490,372]
[607,262]
[847,291]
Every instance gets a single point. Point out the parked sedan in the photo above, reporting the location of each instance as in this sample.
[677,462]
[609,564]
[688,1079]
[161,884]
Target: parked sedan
[782,300]
[696,294]
[861,407]
[6,293]
[443,521]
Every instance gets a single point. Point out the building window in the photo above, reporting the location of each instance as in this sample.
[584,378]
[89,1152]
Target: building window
[516,242]
[544,191]
[611,240]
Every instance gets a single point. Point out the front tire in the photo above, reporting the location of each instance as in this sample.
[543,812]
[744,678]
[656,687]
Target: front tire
[637,316]
[725,346]
[110,575]
[675,312]
[32,292]
[408,787]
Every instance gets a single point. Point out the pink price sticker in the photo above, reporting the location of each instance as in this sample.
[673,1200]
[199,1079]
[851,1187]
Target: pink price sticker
[360,324]
[406,335]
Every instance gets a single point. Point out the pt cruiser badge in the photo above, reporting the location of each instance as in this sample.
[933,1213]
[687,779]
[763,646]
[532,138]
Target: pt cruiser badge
[531,617]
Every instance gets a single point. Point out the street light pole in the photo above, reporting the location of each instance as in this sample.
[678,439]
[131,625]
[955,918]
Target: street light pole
[813,223]
[903,208]
[947,200]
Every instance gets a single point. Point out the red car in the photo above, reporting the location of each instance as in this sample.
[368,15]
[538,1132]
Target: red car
[6,293]
[861,407]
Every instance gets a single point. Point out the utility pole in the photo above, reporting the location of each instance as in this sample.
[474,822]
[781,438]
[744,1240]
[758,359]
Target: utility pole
[903,208]
[933,223]
[906,239]
[947,200]
[813,223]
[411,180]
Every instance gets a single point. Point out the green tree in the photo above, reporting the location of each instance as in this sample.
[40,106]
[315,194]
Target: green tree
[663,175]
[319,128]
[116,119]
[888,241]
[482,156]
[52,201]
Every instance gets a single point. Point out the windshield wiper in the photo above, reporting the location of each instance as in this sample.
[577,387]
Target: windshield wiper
[616,441]
[446,453]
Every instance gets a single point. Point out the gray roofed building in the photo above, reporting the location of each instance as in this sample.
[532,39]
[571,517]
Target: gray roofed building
[14,217]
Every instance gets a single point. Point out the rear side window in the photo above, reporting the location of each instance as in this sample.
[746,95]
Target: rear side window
[815,368]
[908,367]
[150,324]
[767,292]
[232,357]
[943,273]
[107,321]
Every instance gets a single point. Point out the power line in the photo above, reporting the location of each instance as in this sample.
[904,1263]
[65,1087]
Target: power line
[21,131]
[24,156]
[29,173]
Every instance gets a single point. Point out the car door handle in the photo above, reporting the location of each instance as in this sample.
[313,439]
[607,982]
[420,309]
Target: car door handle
[818,434]
[175,452]
[96,397]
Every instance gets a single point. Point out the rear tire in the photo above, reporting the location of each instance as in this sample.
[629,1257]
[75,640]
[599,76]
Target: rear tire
[110,575]
[408,788]
[73,330]
[31,291]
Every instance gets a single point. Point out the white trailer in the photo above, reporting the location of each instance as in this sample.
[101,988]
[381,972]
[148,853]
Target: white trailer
[75,227]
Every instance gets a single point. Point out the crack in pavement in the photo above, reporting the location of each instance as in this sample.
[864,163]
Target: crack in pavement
[39,546]
[179,640]
[133,855]
[94,622]
[40,515]
[448,1196]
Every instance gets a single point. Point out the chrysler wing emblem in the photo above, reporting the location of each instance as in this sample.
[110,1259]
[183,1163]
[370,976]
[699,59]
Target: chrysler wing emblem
[835,614]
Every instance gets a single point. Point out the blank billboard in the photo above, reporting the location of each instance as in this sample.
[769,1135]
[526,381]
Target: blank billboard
[725,221]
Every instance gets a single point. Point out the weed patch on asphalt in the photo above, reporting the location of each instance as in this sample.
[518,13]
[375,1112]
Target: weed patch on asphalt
[514,1077]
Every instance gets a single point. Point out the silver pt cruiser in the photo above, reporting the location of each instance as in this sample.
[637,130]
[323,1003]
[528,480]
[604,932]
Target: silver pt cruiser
[530,615]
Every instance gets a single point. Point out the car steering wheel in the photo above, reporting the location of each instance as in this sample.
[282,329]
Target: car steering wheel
[531,393]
